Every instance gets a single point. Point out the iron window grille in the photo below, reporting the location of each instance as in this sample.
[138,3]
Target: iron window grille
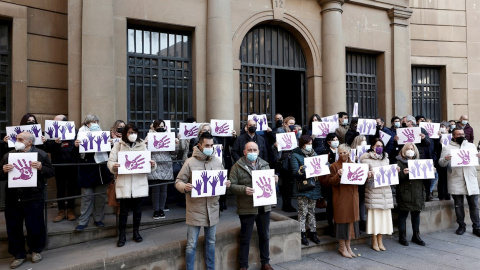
[426,96]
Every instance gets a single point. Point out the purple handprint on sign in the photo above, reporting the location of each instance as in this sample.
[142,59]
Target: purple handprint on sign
[35,131]
[13,138]
[393,168]
[162,143]
[353,152]
[382,171]
[90,138]
[464,156]
[17,130]
[417,165]
[429,165]
[105,137]
[50,132]
[56,126]
[364,125]
[214,184]
[317,167]
[389,175]
[382,135]
[356,175]
[335,118]
[260,123]
[369,127]
[221,177]
[445,142]
[99,140]
[84,144]
[359,128]
[221,129]
[190,132]
[205,179]
[355,109]
[25,170]
[264,119]
[134,164]
[413,172]
[288,142]
[218,149]
[377,179]
[266,187]
[409,134]
[198,187]
[69,127]
[324,129]
[63,130]
[424,169]
[429,128]
[254,118]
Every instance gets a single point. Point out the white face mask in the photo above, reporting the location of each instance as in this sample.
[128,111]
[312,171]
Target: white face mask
[363,143]
[308,147]
[132,137]
[442,130]
[410,153]
[19,146]
[334,144]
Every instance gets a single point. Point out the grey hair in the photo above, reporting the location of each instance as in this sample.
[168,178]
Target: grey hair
[90,118]
[344,147]
[29,136]
[446,124]
[200,128]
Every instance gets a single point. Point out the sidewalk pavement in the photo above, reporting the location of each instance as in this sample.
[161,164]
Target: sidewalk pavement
[444,250]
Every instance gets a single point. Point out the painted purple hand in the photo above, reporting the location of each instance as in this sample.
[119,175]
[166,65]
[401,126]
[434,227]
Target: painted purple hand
[254,118]
[214,184]
[221,129]
[429,128]
[317,167]
[35,131]
[17,130]
[382,135]
[63,130]
[218,150]
[90,138]
[424,169]
[356,175]
[355,110]
[221,177]
[266,188]
[445,141]
[56,126]
[287,141]
[364,125]
[13,138]
[198,187]
[99,140]
[413,171]
[205,179]
[429,165]
[360,128]
[369,127]
[162,143]
[335,118]
[50,132]
[389,176]
[260,123]
[264,119]
[382,171]
[190,132]
[69,127]
[409,134]
[25,170]
[84,144]
[378,179]
[393,168]
[324,129]
[464,156]
[352,155]
[135,163]
[105,137]
[417,164]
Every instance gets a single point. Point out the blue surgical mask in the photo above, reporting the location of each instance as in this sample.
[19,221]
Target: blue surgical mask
[252,156]
[207,151]
[94,127]
[308,147]
[397,124]
[464,122]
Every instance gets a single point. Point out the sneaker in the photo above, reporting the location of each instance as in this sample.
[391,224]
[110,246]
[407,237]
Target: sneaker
[156,215]
[166,209]
[161,214]
[60,216]
[476,232]
[16,263]
[461,230]
[36,257]
[80,228]
[99,224]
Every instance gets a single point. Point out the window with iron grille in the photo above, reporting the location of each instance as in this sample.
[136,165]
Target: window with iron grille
[426,92]
[361,86]
[159,76]
[5,78]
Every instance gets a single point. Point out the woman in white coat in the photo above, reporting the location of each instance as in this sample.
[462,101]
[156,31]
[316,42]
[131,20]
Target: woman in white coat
[130,189]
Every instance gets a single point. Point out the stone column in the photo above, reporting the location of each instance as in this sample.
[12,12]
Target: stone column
[220,103]
[333,57]
[402,69]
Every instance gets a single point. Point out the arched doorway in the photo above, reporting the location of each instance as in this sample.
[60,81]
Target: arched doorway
[272,74]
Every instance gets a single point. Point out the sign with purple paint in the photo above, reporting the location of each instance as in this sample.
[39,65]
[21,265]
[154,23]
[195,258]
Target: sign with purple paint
[94,141]
[260,119]
[355,109]
[218,151]
[23,175]
[161,141]
[221,128]
[464,157]
[113,141]
[353,155]
[13,131]
[263,184]
[132,162]
[331,119]
[209,183]
[385,176]
[431,128]
[65,130]
[316,166]
[421,169]
[384,137]
[354,174]
[445,140]
[188,130]
[411,134]
[362,149]
[286,141]
[366,126]
[321,129]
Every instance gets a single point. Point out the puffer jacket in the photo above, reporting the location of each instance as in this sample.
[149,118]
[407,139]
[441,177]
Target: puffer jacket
[381,197]
[129,185]
[202,211]
[410,193]
[461,180]
[296,161]
[241,178]
[164,170]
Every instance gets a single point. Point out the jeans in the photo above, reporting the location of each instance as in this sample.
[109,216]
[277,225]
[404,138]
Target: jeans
[433,182]
[92,203]
[263,224]
[192,237]
[66,180]
[32,213]
[402,220]
[159,195]
[460,212]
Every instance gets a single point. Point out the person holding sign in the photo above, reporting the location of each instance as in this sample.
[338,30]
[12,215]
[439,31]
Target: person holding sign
[410,196]
[26,203]
[203,211]
[318,144]
[462,181]
[306,198]
[241,177]
[249,136]
[331,144]
[378,201]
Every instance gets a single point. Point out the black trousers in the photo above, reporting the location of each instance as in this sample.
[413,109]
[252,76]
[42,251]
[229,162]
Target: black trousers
[402,220]
[66,179]
[32,213]
[286,189]
[263,224]
[133,204]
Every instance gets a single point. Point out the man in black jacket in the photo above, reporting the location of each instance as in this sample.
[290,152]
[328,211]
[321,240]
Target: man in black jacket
[26,204]
[250,136]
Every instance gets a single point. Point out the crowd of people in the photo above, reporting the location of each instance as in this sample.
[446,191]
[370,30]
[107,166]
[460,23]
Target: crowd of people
[349,208]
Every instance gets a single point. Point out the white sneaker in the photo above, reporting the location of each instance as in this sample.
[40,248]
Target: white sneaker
[16,263]
[36,257]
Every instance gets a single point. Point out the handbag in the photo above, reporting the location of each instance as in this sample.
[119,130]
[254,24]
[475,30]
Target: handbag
[305,184]
[112,196]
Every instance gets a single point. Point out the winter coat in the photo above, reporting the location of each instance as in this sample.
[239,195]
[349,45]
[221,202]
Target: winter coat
[61,152]
[380,197]
[164,170]
[296,161]
[345,197]
[242,140]
[241,178]
[318,144]
[341,131]
[468,130]
[129,185]
[424,145]
[410,193]
[460,180]
[202,211]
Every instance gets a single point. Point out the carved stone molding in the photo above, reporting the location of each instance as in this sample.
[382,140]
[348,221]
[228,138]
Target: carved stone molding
[399,16]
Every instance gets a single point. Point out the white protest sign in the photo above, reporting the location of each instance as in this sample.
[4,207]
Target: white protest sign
[218,151]
[385,176]
[263,184]
[132,162]
[409,135]
[168,125]
[431,128]
[331,119]
[260,119]
[445,140]
[13,131]
[321,129]
[366,126]
[316,166]
[286,141]
[161,141]
[354,174]
[355,109]
[362,149]
[22,175]
[353,154]
[464,157]
[94,141]
[113,141]
[384,137]
[221,128]
[209,183]
[188,130]
[421,169]
[64,130]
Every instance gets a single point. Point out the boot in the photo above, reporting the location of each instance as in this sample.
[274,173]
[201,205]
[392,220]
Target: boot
[71,215]
[314,237]
[416,238]
[122,226]
[136,235]
[304,239]
[60,216]
[375,243]
[402,238]
[349,249]
[342,249]
[380,242]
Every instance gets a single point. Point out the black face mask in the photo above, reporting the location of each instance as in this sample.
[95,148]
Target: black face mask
[252,129]
[161,129]
[279,123]
[31,123]
[459,140]
[119,130]
[404,125]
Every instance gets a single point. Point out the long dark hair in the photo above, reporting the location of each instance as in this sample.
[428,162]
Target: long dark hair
[25,119]
[311,120]
[125,132]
